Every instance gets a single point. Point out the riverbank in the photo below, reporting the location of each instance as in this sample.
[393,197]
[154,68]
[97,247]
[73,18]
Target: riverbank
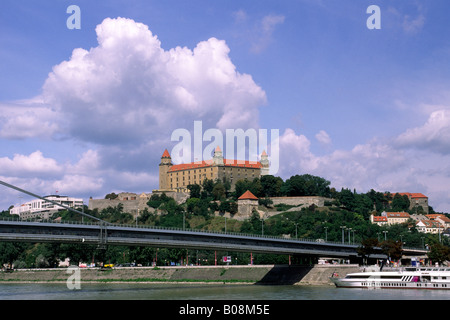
[261,274]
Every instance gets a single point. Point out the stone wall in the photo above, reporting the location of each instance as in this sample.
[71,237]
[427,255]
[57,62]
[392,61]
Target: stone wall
[260,274]
[305,201]
[133,207]
[134,203]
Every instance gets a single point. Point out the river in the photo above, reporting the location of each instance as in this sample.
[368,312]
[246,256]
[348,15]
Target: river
[175,291]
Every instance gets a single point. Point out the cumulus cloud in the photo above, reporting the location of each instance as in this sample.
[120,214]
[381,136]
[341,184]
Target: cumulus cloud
[123,98]
[24,165]
[128,89]
[382,165]
[27,119]
[434,135]
[295,154]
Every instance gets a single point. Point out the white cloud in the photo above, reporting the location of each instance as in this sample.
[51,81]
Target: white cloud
[265,30]
[378,165]
[128,89]
[27,119]
[434,135]
[123,98]
[323,137]
[34,164]
[411,22]
[295,154]
[257,32]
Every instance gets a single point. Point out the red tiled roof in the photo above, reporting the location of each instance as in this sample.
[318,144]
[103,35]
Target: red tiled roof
[379,219]
[397,214]
[166,154]
[411,195]
[428,223]
[209,163]
[248,195]
[435,216]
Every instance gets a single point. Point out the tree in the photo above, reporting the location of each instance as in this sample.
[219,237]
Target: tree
[392,249]
[400,203]
[208,186]
[439,253]
[147,217]
[271,186]
[111,196]
[9,252]
[156,200]
[306,185]
[218,191]
[367,248]
[194,190]
[347,198]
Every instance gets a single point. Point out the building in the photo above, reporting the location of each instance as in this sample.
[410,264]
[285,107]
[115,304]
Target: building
[443,220]
[416,200]
[246,204]
[389,218]
[41,209]
[396,217]
[379,220]
[429,226]
[178,177]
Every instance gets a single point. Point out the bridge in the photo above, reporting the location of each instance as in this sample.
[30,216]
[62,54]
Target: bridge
[102,234]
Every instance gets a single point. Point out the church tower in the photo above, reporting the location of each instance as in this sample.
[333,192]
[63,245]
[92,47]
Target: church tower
[164,167]
[264,163]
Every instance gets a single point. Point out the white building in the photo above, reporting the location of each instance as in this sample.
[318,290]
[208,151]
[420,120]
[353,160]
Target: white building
[429,226]
[42,209]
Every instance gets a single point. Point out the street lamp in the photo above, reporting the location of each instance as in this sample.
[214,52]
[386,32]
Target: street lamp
[343,228]
[326,233]
[385,234]
[349,229]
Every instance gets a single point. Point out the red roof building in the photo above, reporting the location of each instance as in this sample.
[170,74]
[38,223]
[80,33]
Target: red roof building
[178,177]
[247,195]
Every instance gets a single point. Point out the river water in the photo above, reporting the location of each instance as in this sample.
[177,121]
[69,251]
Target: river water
[175,291]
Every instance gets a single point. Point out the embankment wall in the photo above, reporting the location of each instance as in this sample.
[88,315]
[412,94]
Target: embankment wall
[267,274]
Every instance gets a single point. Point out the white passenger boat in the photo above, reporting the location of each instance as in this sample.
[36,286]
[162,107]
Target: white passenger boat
[404,278]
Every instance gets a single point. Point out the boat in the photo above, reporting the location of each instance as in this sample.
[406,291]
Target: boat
[402,278]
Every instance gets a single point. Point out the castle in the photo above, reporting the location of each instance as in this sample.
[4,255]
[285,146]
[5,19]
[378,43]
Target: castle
[178,177]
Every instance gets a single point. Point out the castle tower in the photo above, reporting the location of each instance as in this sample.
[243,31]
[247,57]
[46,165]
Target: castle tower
[164,167]
[264,163]
[218,157]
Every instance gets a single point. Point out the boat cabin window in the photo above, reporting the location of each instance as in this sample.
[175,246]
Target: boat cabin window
[357,276]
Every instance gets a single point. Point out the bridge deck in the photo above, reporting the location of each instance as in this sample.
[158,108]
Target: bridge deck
[174,238]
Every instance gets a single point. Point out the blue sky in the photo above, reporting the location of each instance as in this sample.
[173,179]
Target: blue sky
[362,108]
